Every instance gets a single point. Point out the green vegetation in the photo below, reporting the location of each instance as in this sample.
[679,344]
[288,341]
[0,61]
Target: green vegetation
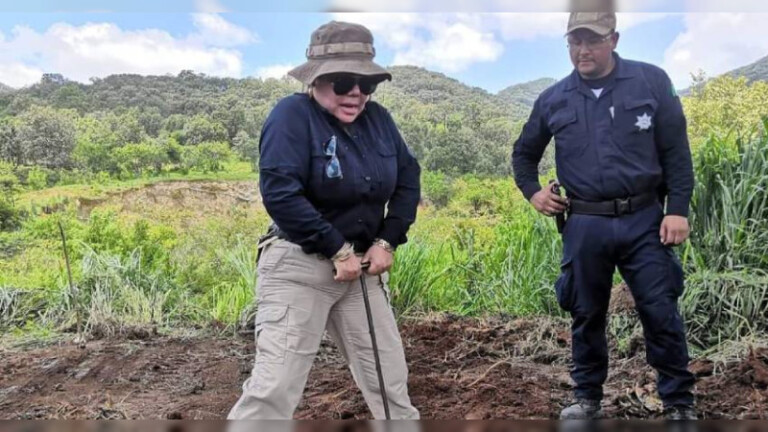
[116,164]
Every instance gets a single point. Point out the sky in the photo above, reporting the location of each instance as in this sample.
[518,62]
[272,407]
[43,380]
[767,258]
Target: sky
[489,44]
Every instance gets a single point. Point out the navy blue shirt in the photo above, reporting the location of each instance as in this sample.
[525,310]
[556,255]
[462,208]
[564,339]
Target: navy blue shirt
[631,140]
[321,212]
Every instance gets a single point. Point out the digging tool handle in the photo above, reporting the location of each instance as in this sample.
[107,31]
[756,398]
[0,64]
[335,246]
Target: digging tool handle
[376,358]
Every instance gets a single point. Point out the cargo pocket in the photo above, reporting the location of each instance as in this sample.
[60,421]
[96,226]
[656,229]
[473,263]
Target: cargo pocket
[676,274]
[564,286]
[271,334]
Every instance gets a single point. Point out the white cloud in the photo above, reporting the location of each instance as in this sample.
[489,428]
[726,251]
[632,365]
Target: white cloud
[18,75]
[214,30]
[716,43]
[452,47]
[273,71]
[100,49]
[451,42]
[447,42]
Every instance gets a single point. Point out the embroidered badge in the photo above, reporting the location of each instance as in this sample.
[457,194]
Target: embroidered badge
[643,122]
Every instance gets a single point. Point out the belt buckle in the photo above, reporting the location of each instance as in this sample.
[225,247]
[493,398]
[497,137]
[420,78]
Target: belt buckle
[622,206]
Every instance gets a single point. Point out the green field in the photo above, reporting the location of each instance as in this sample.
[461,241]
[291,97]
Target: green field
[174,246]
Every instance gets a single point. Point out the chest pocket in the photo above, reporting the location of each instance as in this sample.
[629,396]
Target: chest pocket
[569,136]
[638,116]
[325,190]
[387,167]
[635,126]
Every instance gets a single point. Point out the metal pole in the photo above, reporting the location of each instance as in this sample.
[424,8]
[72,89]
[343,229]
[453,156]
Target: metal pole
[384,397]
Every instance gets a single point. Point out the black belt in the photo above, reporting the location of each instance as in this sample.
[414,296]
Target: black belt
[616,207]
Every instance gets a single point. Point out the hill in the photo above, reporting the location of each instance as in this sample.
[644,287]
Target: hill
[757,71]
[448,125]
[526,93]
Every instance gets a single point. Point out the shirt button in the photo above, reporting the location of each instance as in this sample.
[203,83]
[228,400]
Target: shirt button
[367,178]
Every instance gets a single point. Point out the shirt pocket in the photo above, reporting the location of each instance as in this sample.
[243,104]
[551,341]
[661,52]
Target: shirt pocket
[387,163]
[327,191]
[569,137]
[635,126]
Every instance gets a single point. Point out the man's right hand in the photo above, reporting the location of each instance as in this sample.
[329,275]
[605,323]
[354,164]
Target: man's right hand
[548,203]
[348,270]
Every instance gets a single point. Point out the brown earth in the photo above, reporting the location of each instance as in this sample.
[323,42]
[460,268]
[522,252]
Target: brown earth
[195,198]
[460,369]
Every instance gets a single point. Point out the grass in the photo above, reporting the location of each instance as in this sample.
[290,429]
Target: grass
[481,251]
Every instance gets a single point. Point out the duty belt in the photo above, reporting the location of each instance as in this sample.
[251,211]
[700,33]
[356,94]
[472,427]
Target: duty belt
[615,207]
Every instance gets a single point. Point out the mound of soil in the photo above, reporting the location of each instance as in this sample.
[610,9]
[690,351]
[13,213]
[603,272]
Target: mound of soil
[460,369]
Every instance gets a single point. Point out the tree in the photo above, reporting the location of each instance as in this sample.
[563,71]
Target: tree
[140,158]
[206,157]
[724,105]
[47,136]
[9,187]
[11,149]
[201,129]
[246,147]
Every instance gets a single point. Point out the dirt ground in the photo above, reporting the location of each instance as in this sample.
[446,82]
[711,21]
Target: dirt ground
[460,369]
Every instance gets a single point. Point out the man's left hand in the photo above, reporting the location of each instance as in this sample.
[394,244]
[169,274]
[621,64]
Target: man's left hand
[380,260]
[674,230]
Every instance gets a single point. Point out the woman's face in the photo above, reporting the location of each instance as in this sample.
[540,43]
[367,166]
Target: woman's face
[344,95]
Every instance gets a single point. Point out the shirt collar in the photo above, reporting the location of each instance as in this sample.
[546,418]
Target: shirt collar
[623,71]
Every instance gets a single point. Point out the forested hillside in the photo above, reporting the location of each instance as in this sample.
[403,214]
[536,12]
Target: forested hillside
[451,127]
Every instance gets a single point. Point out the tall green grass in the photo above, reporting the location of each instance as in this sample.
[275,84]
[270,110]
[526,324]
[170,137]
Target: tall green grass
[513,274]
[727,290]
[484,250]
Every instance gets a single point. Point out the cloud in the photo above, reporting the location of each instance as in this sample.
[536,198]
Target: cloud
[447,42]
[18,75]
[213,29]
[100,49]
[451,42]
[716,43]
[273,71]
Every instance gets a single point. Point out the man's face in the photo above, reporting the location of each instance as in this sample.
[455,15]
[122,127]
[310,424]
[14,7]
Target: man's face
[592,54]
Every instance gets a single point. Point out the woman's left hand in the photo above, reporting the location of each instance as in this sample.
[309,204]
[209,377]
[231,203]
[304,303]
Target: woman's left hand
[380,260]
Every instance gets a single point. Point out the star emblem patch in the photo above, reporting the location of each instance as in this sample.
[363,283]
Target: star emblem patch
[643,122]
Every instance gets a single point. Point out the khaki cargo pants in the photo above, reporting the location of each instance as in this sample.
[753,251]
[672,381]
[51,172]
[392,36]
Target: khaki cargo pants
[298,299]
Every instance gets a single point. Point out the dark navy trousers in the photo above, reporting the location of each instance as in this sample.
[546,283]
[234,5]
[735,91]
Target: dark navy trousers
[593,246]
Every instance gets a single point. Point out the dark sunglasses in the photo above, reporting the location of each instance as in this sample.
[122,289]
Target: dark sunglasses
[344,83]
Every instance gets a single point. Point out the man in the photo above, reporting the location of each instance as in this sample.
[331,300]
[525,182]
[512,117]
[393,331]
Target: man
[621,151]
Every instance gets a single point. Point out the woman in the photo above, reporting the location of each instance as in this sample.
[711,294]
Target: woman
[331,161]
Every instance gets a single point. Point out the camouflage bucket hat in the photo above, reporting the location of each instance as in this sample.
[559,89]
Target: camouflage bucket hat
[601,23]
[339,47]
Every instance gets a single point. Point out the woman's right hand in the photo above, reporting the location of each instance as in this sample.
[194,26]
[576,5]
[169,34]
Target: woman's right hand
[348,270]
